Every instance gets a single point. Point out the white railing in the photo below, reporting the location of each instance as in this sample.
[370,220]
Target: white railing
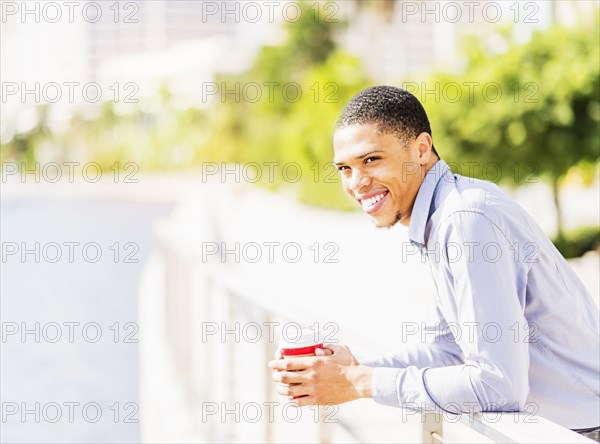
[187,374]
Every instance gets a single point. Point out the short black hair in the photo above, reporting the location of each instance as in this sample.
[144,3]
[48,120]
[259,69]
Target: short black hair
[394,110]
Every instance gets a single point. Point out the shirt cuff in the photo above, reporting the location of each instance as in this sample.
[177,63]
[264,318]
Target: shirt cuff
[384,386]
[369,362]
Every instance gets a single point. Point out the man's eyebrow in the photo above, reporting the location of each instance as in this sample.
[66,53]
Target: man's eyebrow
[362,156]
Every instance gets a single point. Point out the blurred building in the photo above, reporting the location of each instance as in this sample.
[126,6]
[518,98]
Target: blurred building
[180,44]
[404,39]
[185,43]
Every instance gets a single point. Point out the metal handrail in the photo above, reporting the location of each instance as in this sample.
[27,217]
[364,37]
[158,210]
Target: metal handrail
[180,268]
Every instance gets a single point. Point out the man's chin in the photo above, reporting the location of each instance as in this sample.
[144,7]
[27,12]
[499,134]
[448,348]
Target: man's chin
[388,222]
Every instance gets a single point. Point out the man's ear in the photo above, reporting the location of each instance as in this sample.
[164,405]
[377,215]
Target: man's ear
[424,144]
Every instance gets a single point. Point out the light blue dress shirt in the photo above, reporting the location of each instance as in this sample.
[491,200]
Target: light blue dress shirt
[514,327]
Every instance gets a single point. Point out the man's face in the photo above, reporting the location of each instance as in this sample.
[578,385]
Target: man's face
[379,171]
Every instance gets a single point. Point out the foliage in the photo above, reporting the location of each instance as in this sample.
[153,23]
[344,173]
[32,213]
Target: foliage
[164,138]
[292,126]
[535,109]
[544,123]
[579,241]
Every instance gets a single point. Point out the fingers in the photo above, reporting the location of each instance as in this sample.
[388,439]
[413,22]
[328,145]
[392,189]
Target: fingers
[292,364]
[291,390]
[300,363]
[291,377]
[323,352]
[333,348]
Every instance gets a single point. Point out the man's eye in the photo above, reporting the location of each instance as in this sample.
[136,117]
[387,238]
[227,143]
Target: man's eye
[342,168]
[371,159]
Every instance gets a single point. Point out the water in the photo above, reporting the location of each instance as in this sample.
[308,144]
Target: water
[74,376]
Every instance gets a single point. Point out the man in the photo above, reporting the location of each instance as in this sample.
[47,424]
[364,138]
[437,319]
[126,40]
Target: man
[529,330]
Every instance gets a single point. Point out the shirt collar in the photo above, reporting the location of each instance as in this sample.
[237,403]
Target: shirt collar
[421,208]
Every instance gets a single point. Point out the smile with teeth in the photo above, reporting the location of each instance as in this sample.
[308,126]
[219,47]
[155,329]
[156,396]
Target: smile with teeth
[370,202]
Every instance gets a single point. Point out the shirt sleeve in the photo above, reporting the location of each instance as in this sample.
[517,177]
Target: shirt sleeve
[485,300]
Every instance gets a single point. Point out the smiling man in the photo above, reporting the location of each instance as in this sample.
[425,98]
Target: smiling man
[529,330]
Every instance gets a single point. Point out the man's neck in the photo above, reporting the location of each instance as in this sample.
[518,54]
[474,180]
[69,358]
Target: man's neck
[424,170]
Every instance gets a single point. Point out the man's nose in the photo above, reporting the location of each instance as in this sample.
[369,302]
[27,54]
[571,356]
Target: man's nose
[358,180]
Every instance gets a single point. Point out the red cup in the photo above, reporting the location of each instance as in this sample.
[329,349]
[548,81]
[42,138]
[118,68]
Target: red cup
[301,351]
[301,346]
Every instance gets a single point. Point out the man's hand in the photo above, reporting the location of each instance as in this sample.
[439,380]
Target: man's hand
[334,376]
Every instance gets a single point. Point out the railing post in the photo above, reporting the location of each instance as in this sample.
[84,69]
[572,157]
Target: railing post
[184,330]
[169,294]
[268,437]
[230,359]
[432,431]
[210,288]
[324,427]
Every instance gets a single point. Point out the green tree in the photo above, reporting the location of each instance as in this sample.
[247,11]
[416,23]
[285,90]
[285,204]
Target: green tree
[310,80]
[534,108]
